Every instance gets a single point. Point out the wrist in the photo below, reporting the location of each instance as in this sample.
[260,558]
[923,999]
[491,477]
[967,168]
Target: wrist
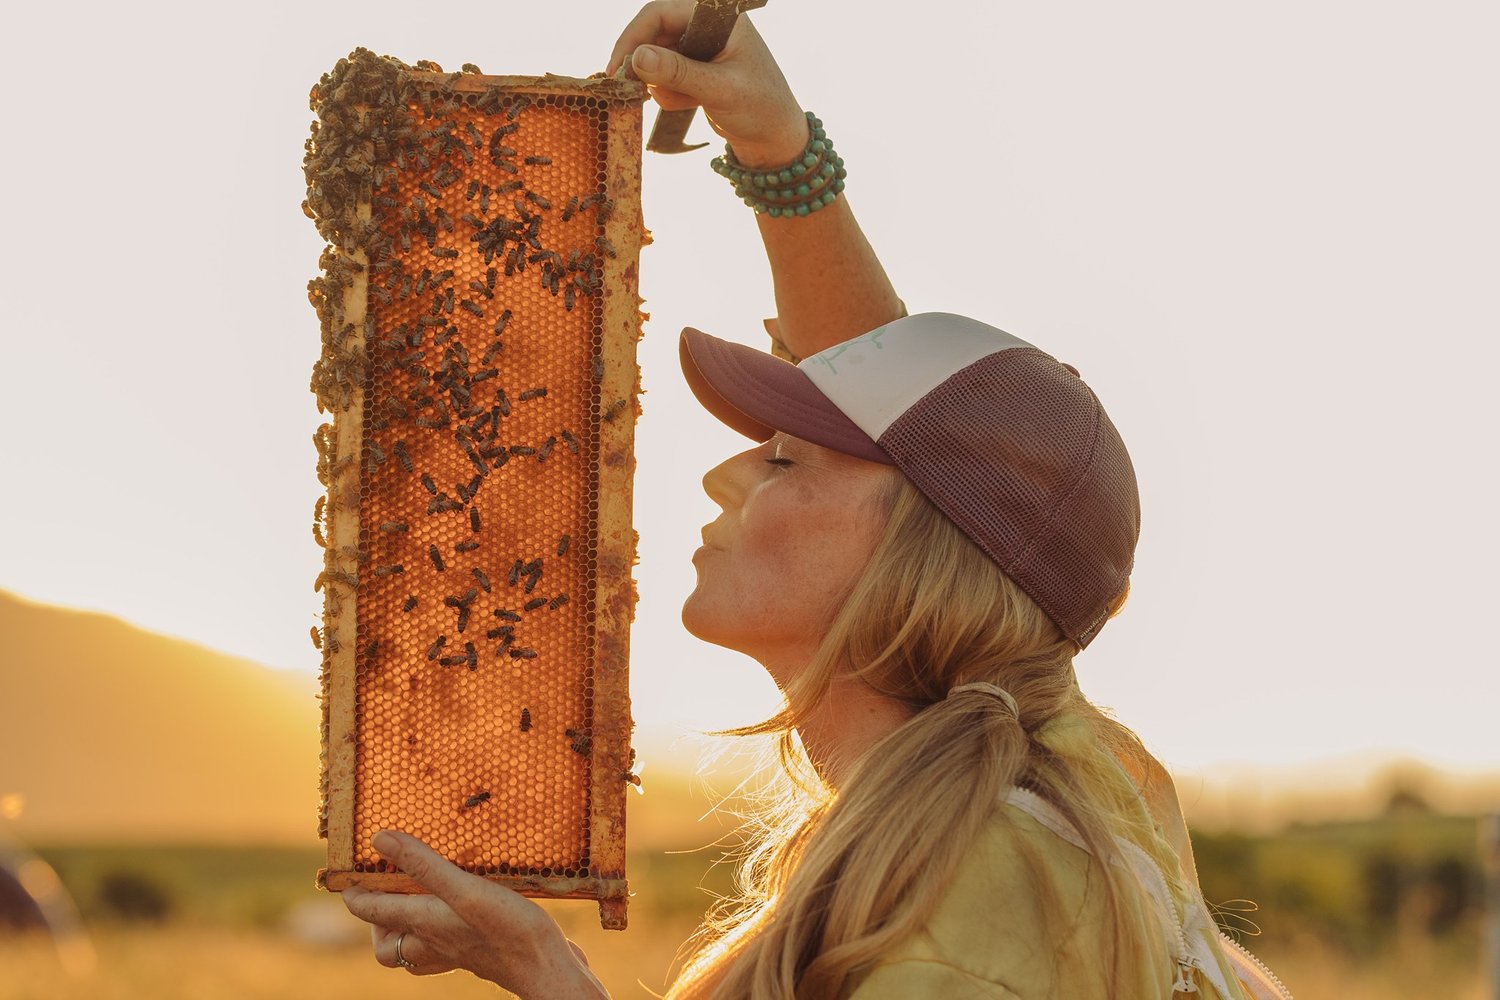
[775,152]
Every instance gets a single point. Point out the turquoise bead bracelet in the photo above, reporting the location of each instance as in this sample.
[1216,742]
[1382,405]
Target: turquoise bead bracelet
[808,184]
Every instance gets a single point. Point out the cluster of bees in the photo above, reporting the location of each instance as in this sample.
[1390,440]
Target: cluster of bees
[375,128]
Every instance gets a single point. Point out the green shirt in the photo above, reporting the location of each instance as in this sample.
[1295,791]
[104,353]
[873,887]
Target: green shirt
[993,936]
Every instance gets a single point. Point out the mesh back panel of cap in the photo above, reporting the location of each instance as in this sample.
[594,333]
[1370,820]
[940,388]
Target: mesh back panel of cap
[1017,451]
[478,517]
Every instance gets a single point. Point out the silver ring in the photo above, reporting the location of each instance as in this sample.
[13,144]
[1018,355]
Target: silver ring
[401,962]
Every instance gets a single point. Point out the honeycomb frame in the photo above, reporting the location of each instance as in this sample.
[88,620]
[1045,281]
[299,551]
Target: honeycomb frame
[364,172]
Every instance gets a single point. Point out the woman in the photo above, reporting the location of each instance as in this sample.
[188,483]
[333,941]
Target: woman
[938,517]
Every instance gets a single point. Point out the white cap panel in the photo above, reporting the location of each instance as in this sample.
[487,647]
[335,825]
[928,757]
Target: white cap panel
[875,377]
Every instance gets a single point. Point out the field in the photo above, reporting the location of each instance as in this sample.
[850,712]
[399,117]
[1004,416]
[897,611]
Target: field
[1379,910]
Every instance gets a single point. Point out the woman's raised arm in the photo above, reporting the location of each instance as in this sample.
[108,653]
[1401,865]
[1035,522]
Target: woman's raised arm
[830,286]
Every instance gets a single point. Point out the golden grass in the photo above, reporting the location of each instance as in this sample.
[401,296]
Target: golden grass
[194,963]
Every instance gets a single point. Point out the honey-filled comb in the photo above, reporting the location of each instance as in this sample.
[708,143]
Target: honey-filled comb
[479,312]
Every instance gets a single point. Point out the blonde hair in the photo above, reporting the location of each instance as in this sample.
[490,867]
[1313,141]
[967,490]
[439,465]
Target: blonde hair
[849,874]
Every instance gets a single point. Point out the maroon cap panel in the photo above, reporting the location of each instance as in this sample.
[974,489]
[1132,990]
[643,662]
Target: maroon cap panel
[756,393]
[1018,452]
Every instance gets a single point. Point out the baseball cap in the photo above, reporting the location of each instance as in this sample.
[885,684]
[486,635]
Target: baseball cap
[1008,442]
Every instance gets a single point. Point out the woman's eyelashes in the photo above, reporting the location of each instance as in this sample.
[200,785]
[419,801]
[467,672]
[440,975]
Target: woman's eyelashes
[779,462]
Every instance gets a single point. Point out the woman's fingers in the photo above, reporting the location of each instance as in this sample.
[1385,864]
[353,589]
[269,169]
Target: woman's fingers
[659,23]
[671,100]
[394,910]
[484,905]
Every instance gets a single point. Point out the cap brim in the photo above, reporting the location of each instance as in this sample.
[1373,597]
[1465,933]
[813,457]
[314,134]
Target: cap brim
[758,394]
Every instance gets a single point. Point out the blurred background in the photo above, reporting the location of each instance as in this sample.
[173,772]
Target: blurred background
[1263,234]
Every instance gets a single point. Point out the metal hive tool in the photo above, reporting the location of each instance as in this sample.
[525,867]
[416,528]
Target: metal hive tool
[479,312]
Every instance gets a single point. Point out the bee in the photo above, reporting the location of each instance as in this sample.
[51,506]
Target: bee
[597,363]
[515,574]
[613,411]
[474,519]
[443,275]
[545,449]
[477,310]
[505,615]
[562,545]
[484,581]
[448,253]
[471,656]
[436,192]
[448,298]
[603,243]
[522,449]
[503,402]
[485,375]
[435,556]
[402,455]
[538,200]
[499,631]
[335,576]
[592,199]
[371,649]
[484,200]
[538,161]
[535,603]
[480,287]
[409,603]
[436,647]
[525,720]
[606,210]
[317,530]
[466,546]
[317,638]
[570,441]
[490,277]
[520,104]
[452,661]
[569,297]
[523,653]
[395,526]
[533,577]
[536,393]
[557,602]
[470,191]
[390,570]
[478,798]
[581,743]
[444,504]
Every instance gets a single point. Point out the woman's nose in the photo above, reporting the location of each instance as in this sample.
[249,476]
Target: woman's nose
[722,484]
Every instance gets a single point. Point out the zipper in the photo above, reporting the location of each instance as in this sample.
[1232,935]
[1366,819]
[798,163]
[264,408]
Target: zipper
[1275,981]
[1185,982]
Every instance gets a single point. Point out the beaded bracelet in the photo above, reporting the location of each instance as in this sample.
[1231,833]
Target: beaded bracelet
[808,184]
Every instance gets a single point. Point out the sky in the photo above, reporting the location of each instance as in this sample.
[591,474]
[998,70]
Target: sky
[1264,234]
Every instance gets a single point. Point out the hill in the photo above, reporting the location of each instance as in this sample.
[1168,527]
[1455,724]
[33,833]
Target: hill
[111,732]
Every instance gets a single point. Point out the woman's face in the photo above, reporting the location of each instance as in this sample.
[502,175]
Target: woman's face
[798,525]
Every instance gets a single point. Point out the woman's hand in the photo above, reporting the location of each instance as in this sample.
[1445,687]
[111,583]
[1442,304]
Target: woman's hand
[742,91]
[469,923]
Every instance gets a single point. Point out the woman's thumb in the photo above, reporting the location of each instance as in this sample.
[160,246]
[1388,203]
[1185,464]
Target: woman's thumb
[663,67]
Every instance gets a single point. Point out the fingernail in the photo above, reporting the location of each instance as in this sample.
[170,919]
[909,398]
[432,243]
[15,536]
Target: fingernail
[646,59]
[385,843]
